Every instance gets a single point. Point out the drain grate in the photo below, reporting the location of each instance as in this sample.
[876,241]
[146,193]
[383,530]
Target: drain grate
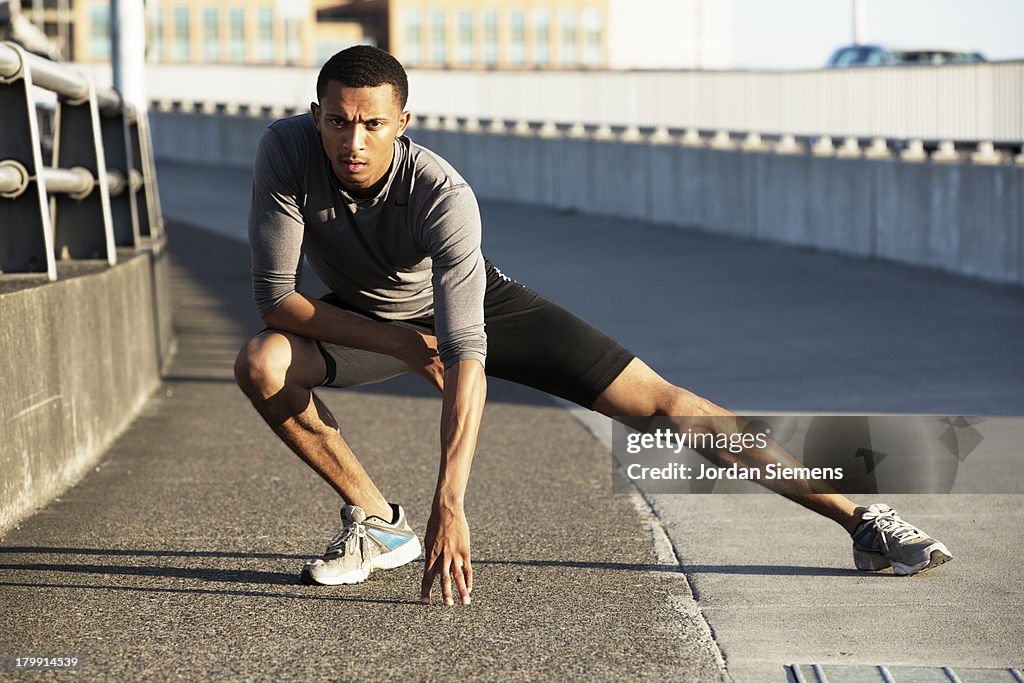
[846,673]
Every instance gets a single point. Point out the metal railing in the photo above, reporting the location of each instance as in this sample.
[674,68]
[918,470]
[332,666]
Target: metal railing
[97,194]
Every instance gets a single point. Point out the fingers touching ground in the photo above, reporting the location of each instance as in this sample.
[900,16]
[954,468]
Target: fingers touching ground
[448,571]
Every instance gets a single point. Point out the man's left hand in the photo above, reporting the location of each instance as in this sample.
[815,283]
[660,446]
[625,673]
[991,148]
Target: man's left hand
[447,555]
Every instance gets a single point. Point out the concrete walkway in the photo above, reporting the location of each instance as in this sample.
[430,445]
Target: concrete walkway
[178,556]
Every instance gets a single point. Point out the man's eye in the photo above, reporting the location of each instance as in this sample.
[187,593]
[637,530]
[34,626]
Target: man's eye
[373,124]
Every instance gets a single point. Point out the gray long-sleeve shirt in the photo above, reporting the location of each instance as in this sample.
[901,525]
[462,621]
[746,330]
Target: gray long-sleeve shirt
[410,252]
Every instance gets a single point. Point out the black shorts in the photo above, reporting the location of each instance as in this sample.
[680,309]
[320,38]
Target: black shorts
[530,340]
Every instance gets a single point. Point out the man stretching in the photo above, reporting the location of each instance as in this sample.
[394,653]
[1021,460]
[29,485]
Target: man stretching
[394,232]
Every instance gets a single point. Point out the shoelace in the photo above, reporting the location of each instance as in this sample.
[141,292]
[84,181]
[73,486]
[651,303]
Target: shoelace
[889,524]
[347,540]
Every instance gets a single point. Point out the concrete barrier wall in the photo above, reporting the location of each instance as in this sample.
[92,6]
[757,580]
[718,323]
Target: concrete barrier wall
[80,358]
[226,139]
[959,217]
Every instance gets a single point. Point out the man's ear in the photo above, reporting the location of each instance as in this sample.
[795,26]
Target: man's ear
[403,121]
[314,109]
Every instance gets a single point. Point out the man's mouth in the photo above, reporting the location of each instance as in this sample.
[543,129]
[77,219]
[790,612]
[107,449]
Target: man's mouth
[353,165]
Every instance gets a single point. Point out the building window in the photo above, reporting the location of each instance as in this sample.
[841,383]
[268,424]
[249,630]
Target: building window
[592,27]
[211,35]
[265,34]
[182,42]
[517,39]
[236,34]
[541,37]
[490,37]
[156,34]
[99,15]
[465,52]
[569,37]
[292,41]
[437,38]
[413,30]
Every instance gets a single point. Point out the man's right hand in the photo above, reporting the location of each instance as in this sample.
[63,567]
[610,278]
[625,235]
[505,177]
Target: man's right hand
[320,320]
[420,354]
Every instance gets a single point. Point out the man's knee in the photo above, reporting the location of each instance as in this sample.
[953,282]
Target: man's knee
[678,402]
[638,391]
[261,367]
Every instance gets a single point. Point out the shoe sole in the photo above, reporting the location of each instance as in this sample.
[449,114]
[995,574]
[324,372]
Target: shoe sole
[402,555]
[938,555]
[875,562]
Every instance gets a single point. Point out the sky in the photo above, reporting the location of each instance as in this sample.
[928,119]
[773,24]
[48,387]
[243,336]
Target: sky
[803,33]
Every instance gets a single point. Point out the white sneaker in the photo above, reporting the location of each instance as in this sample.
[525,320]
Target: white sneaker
[883,540]
[364,545]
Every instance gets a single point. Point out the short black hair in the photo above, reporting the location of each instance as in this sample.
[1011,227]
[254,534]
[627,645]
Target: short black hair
[364,66]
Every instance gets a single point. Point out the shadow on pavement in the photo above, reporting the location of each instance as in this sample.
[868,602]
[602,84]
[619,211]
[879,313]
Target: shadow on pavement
[208,591]
[246,576]
[123,552]
[192,573]
[751,569]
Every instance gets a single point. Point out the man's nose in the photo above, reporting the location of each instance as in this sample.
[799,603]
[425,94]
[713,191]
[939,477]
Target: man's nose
[356,138]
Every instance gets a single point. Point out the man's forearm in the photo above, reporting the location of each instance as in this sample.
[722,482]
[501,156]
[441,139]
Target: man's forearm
[465,391]
[447,544]
[318,320]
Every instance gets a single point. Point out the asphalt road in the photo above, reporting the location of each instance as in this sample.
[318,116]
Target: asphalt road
[766,329]
[178,557]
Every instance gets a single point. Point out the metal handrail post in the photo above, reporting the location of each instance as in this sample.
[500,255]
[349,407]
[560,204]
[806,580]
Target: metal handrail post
[148,199]
[26,242]
[118,153]
[83,225]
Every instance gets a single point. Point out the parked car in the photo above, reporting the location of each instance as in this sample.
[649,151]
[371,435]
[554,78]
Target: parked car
[879,55]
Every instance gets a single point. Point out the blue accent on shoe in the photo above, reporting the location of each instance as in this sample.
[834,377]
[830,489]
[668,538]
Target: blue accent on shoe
[392,541]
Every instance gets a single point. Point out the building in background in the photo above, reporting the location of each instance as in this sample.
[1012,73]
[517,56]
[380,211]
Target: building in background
[544,34]
[517,34]
[201,31]
[670,34]
[45,31]
[454,34]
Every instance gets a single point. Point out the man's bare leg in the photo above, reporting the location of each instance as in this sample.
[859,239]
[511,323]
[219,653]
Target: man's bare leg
[640,392]
[277,371]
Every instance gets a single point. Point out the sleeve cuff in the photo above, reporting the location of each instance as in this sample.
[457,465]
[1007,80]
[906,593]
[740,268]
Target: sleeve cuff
[466,355]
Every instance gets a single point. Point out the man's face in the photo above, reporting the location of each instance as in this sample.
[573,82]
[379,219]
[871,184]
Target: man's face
[358,127]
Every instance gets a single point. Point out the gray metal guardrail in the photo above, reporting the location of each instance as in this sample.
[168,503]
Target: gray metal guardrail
[968,105]
[99,191]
